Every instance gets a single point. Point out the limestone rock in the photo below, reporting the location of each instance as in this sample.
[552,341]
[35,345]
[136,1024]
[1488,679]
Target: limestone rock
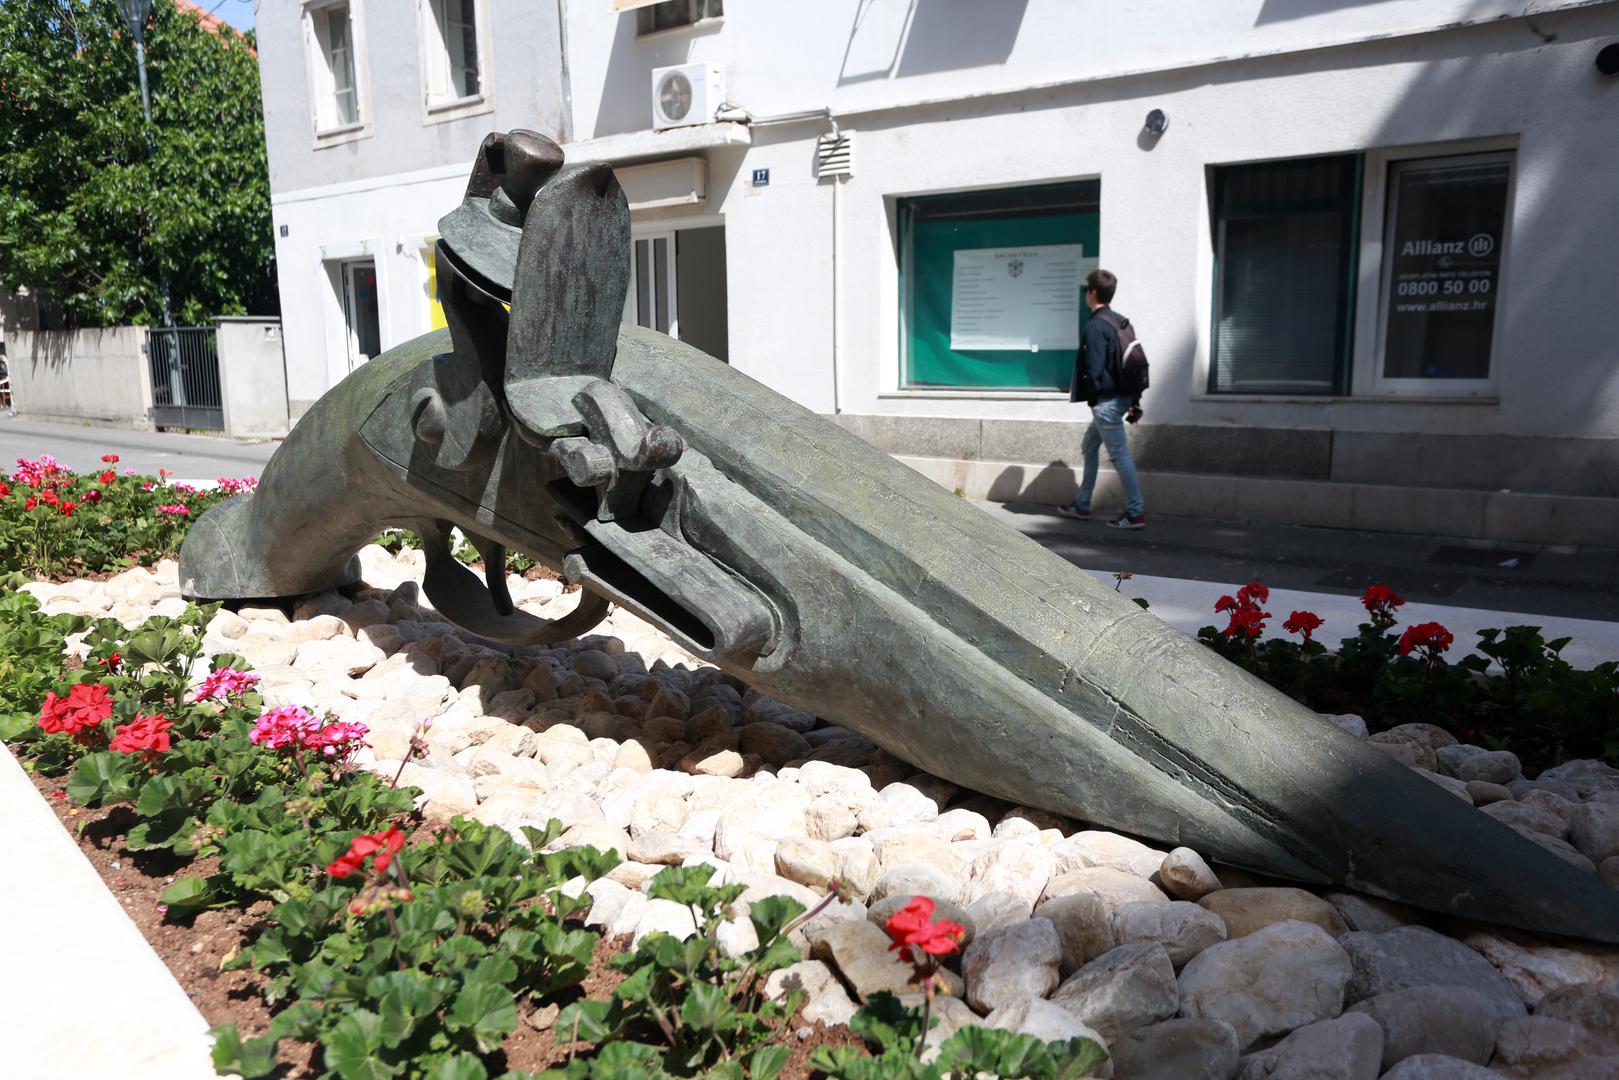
[1084,926]
[1184,929]
[1417,956]
[1348,1048]
[1019,869]
[1011,965]
[1121,990]
[994,911]
[1406,751]
[1450,758]
[910,845]
[959,823]
[808,862]
[859,951]
[915,880]
[830,818]
[825,999]
[895,805]
[1095,847]
[1585,777]
[1537,1046]
[1114,887]
[1186,876]
[1430,735]
[1518,815]
[1183,1049]
[1043,1020]
[1535,969]
[1439,1067]
[665,917]
[1372,913]
[1594,830]
[1484,794]
[1247,910]
[1492,766]
[1349,723]
[1268,982]
[1449,1020]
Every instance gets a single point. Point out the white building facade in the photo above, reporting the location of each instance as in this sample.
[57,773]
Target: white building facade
[1368,246]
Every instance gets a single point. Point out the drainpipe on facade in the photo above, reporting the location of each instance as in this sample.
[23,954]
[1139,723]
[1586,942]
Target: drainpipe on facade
[567,83]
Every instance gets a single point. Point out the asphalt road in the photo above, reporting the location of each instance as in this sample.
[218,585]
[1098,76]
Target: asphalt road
[80,446]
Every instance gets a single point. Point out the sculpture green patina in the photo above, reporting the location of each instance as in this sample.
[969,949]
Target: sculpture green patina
[771,542]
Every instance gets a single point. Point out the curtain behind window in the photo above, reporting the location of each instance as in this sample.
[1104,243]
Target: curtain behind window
[1284,275]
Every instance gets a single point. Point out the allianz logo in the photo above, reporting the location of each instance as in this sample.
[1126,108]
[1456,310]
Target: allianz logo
[1478,246]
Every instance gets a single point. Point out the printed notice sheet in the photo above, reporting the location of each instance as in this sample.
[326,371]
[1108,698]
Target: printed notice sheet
[1023,298]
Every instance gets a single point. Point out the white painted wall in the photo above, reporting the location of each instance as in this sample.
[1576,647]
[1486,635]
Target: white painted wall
[90,375]
[391,220]
[1498,78]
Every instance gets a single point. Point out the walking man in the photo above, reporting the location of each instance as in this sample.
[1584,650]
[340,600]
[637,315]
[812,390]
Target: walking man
[1098,373]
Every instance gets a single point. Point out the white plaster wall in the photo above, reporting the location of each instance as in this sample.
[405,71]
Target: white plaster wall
[1554,347]
[861,54]
[522,72]
[252,378]
[92,375]
[391,220]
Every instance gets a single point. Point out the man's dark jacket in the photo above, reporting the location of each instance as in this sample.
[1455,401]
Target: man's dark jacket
[1098,355]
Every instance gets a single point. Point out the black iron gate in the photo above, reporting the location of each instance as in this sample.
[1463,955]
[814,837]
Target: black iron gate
[185,377]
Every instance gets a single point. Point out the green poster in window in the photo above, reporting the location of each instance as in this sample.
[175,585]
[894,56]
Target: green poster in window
[1016,279]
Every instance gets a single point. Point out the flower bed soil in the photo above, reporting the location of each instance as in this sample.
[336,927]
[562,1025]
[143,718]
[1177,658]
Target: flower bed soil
[193,950]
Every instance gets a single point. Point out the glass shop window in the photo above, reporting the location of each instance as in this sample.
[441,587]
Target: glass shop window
[992,285]
[1284,287]
[1445,231]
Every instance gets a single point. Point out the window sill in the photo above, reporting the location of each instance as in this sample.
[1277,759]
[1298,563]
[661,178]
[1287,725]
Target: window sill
[440,112]
[987,394]
[347,133]
[1358,399]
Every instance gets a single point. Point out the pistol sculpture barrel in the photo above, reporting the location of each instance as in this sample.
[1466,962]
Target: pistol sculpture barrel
[773,543]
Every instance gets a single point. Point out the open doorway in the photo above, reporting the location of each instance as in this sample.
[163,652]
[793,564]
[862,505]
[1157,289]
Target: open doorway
[360,311]
[677,286]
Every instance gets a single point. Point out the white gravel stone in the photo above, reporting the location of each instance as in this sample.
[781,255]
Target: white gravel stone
[1114,887]
[896,805]
[1347,722]
[1439,1067]
[1098,848]
[826,1000]
[1043,1020]
[1123,989]
[1084,924]
[1010,965]
[996,911]
[1185,875]
[1417,956]
[1019,869]
[1535,968]
[1347,1048]
[1180,1049]
[1594,830]
[1450,1020]
[1182,928]
[1492,766]
[1274,980]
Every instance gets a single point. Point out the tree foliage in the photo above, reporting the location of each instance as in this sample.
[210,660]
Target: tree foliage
[95,207]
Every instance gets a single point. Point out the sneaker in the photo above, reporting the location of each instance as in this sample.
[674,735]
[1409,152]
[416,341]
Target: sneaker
[1125,521]
[1075,512]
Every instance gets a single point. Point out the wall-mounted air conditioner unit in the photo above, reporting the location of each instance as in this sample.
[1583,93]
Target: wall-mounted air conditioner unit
[686,94]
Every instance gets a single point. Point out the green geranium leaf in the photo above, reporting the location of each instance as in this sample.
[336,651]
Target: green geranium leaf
[459,1067]
[1076,1057]
[706,1006]
[248,1058]
[171,829]
[768,1061]
[103,777]
[404,998]
[354,1047]
[195,893]
[487,1011]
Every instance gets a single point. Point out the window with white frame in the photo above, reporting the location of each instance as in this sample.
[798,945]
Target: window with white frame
[1373,273]
[336,90]
[451,47]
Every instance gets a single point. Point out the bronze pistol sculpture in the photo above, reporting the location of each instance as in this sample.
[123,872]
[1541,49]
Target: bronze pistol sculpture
[774,544]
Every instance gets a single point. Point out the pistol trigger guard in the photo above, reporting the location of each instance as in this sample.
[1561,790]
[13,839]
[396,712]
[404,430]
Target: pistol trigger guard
[487,610]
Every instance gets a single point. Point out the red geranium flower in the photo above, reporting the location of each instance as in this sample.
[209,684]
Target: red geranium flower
[1225,603]
[68,506]
[93,495]
[50,498]
[1248,621]
[1302,622]
[79,714]
[383,846]
[112,662]
[147,735]
[108,477]
[30,503]
[1380,601]
[913,927]
[110,459]
[1431,637]
[4,490]
[1254,592]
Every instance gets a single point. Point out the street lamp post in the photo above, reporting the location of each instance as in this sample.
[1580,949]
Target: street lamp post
[135,13]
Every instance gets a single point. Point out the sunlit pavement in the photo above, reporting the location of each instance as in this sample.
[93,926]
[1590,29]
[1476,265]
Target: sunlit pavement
[80,446]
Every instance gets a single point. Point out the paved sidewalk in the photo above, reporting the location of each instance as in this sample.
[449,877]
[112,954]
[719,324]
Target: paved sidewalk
[80,446]
[82,993]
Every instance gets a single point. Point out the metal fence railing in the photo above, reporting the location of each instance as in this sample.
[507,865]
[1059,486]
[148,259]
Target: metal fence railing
[185,377]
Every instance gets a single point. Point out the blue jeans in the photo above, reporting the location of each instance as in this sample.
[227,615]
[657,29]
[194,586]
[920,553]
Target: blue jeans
[1107,426]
